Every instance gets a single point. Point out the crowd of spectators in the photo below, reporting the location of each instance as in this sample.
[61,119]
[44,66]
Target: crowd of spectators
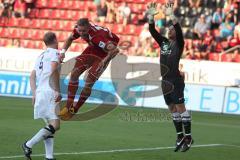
[15,8]
[209,26]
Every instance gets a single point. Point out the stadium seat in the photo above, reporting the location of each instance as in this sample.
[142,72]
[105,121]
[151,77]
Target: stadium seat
[78,5]
[39,44]
[66,5]
[56,14]
[13,22]
[46,24]
[45,13]
[30,44]
[69,25]
[227,57]
[27,34]
[25,23]
[54,3]
[5,42]
[37,34]
[42,4]
[214,56]
[33,13]
[15,33]
[237,58]
[66,14]
[36,23]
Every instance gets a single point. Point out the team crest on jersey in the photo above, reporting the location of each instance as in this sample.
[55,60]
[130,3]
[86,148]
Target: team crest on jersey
[165,49]
[102,44]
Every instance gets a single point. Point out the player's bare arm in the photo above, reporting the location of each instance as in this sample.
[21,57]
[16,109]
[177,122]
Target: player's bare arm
[112,51]
[66,45]
[33,85]
[56,80]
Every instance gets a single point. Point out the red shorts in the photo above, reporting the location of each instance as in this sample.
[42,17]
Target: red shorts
[90,59]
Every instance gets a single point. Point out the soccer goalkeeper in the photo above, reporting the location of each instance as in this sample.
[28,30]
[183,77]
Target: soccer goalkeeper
[171,51]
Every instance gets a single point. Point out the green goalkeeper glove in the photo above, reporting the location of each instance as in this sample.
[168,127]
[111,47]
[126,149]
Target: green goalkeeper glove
[169,11]
[151,11]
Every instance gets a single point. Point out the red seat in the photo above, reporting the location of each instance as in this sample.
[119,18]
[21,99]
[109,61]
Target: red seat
[214,56]
[37,34]
[13,22]
[41,4]
[15,33]
[27,34]
[69,25]
[62,36]
[237,58]
[46,24]
[39,45]
[44,13]
[25,23]
[33,13]
[226,57]
[57,25]
[66,14]
[56,14]
[5,42]
[78,5]
[66,4]
[31,44]
[4,33]
[76,15]
[54,3]
[133,30]
[36,23]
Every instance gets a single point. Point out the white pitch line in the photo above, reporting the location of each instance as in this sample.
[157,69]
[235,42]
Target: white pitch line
[113,151]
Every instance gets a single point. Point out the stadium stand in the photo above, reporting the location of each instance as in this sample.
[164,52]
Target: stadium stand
[61,15]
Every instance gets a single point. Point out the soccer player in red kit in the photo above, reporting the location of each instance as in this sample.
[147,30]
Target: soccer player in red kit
[95,58]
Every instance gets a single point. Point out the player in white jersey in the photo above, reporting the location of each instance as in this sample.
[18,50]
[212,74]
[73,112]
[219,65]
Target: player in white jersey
[46,96]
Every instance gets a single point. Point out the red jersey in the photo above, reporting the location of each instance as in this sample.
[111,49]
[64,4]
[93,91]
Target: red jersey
[98,36]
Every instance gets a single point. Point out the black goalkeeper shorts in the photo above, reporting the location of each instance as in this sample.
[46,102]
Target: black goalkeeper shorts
[177,95]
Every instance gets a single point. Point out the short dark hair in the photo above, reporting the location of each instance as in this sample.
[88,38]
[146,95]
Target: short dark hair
[83,22]
[49,38]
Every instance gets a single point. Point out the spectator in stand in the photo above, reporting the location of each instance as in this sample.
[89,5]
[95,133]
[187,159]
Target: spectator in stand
[30,5]
[7,7]
[150,51]
[208,19]
[200,28]
[193,55]
[194,3]
[20,8]
[97,2]
[217,18]
[111,17]
[160,17]
[227,28]
[237,29]
[228,6]
[16,43]
[208,39]
[1,8]
[234,40]
[235,56]
[102,11]
[124,13]
[205,55]
[144,33]
[137,49]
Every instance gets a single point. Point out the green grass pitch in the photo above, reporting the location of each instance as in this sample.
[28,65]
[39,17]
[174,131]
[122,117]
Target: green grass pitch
[123,134]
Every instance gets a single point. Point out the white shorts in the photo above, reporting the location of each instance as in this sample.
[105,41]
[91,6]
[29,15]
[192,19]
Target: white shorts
[45,106]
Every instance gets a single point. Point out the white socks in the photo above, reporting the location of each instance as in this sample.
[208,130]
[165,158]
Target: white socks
[43,133]
[49,142]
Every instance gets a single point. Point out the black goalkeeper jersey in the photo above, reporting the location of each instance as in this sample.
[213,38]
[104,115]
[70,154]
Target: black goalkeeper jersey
[170,53]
